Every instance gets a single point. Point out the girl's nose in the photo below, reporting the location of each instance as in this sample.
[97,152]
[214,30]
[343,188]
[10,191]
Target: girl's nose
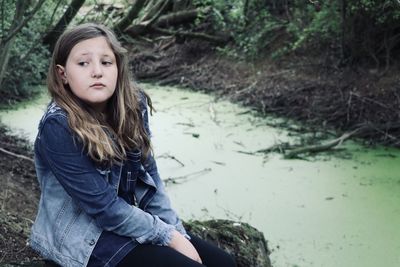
[97,71]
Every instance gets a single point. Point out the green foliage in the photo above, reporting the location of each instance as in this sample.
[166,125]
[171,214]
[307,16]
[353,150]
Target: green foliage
[251,28]
[28,58]
[356,30]
[372,29]
[27,65]
[320,27]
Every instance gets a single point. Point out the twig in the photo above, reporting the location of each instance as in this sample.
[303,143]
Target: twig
[16,155]
[168,156]
[3,204]
[364,99]
[185,124]
[229,213]
[280,147]
[213,116]
[174,180]
[219,162]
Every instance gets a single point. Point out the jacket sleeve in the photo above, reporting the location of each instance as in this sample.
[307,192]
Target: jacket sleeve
[78,175]
[160,204]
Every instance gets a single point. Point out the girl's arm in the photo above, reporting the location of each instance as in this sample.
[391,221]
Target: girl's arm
[78,175]
[160,204]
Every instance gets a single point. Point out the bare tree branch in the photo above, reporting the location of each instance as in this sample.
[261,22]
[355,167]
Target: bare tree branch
[175,18]
[15,155]
[38,42]
[130,16]
[195,35]
[181,17]
[319,148]
[69,14]
[156,15]
[23,22]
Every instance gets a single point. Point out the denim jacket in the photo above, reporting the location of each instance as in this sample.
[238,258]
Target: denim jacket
[79,199]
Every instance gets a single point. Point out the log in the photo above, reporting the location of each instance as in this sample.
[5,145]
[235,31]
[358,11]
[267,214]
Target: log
[219,40]
[132,14]
[176,18]
[241,240]
[319,148]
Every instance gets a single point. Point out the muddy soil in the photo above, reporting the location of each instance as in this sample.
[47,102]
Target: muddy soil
[19,194]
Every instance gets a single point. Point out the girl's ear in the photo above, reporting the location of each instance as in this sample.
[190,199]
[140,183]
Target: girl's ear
[62,73]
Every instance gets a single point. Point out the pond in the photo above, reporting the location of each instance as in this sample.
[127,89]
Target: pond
[331,210]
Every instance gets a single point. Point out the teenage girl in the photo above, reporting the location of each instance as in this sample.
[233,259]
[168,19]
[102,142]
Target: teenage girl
[102,200]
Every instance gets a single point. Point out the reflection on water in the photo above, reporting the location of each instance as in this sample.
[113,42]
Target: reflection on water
[328,211]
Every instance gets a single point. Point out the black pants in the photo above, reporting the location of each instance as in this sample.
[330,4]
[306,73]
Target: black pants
[160,256]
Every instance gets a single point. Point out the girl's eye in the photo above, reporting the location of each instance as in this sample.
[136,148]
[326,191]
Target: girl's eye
[107,63]
[83,63]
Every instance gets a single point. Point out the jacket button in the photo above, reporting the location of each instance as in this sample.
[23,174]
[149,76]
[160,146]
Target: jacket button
[92,242]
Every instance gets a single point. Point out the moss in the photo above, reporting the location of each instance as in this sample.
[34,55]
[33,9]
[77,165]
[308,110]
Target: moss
[246,243]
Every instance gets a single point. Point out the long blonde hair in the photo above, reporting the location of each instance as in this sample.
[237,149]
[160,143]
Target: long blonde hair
[106,139]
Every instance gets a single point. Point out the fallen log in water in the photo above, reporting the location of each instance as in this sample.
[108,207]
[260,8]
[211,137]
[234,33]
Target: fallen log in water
[319,148]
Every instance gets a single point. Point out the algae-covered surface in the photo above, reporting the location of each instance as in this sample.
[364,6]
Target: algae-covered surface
[334,209]
[246,243]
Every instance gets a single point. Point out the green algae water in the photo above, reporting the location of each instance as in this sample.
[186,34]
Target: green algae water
[326,211]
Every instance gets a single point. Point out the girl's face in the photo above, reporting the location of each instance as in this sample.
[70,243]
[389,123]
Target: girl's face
[91,72]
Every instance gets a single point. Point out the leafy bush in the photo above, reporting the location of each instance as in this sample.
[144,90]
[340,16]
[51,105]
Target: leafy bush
[356,30]
[28,58]
[27,65]
[372,30]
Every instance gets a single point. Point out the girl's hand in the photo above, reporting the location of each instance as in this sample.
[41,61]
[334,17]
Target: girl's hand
[182,245]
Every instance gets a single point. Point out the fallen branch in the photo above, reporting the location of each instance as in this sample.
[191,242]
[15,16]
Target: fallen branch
[196,35]
[168,156]
[16,155]
[319,148]
[183,178]
[280,148]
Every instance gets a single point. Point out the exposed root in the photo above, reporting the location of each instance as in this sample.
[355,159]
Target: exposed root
[16,155]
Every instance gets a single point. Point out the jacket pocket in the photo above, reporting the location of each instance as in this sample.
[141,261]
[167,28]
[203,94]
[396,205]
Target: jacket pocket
[65,220]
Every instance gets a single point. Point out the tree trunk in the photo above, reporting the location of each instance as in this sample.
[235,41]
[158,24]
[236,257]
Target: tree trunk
[154,9]
[343,28]
[219,40]
[51,38]
[17,24]
[180,17]
[4,56]
[132,14]
[179,5]
[165,20]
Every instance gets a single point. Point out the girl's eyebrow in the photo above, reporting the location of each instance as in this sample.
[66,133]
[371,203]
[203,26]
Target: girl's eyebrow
[90,53]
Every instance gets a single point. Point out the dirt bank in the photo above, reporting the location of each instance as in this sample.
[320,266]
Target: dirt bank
[308,89]
[19,195]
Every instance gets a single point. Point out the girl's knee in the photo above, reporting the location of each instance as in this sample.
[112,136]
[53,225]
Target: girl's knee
[229,261]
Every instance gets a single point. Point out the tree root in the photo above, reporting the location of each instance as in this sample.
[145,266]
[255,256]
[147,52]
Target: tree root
[16,155]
